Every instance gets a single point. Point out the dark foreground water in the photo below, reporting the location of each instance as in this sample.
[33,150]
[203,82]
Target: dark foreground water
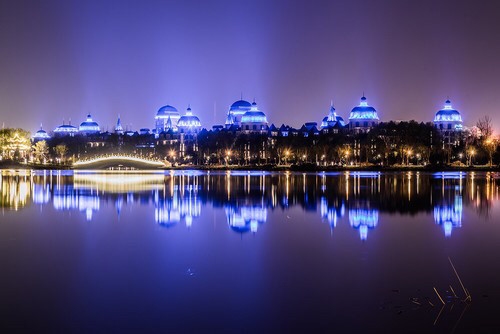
[248,252]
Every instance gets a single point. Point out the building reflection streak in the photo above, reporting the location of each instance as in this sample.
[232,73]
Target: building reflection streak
[246,197]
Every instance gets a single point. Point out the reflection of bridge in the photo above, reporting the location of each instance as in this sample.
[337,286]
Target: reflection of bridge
[119,161]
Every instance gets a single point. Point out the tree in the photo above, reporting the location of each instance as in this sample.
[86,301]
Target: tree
[485,127]
[61,151]
[488,142]
[40,149]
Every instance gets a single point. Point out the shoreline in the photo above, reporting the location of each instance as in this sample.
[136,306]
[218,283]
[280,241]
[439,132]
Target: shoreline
[273,168]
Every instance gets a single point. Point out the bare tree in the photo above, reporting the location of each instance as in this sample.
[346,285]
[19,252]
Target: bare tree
[486,127]
[489,143]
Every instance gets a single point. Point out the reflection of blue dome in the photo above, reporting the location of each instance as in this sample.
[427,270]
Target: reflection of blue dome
[363,112]
[363,219]
[246,218]
[240,105]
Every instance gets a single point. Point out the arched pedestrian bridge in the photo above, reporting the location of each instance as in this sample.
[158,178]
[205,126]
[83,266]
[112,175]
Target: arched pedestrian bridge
[118,162]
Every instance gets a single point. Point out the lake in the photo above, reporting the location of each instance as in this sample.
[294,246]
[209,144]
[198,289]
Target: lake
[249,252]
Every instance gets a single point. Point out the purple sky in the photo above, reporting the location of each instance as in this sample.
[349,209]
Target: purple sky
[63,59]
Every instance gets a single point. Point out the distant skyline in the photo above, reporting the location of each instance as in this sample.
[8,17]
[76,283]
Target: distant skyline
[65,59]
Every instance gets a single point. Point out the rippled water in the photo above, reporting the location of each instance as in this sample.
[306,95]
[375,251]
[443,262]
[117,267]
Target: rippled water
[190,251]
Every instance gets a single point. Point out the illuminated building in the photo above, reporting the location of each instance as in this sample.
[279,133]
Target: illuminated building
[236,112]
[449,122]
[189,123]
[332,119]
[254,120]
[118,127]
[41,135]
[166,119]
[89,126]
[66,130]
[17,143]
[363,117]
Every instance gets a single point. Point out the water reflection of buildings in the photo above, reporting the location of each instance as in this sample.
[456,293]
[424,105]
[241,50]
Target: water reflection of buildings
[331,213]
[177,206]
[449,216]
[363,219]
[246,218]
[356,198]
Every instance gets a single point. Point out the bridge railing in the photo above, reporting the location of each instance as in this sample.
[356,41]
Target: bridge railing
[107,157]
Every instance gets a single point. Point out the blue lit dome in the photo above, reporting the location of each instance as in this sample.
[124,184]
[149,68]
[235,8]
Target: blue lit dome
[41,135]
[363,112]
[89,126]
[254,117]
[448,120]
[189,122]
[332,119]
[240,105]
[448,114]
[66,129]
[167,110]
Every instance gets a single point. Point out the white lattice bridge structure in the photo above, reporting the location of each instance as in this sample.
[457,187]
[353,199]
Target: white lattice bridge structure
[119,161]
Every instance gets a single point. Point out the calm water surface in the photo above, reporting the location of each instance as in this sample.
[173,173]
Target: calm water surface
[248,252]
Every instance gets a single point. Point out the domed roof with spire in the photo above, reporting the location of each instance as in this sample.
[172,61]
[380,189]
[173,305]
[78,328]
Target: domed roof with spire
[332,118]
[448,114]
[189,120]
[363,111]
[254,115]
[41,134]
[240,105]
[66,129]
[89,125]
[166,111]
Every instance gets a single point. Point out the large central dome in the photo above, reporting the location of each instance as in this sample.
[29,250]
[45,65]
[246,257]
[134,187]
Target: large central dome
[89,126]
[167,110]
[240,105]
[363,112]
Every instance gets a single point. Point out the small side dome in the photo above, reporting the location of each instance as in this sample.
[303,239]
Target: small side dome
[254,117]
[41,135]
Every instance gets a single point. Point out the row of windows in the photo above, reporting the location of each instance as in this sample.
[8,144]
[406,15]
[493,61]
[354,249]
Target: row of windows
[365,124]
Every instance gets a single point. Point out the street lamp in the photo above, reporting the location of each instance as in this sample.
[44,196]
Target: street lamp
[472,152]
[287,153]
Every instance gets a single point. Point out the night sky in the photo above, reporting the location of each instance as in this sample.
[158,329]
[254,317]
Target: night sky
[64,59]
